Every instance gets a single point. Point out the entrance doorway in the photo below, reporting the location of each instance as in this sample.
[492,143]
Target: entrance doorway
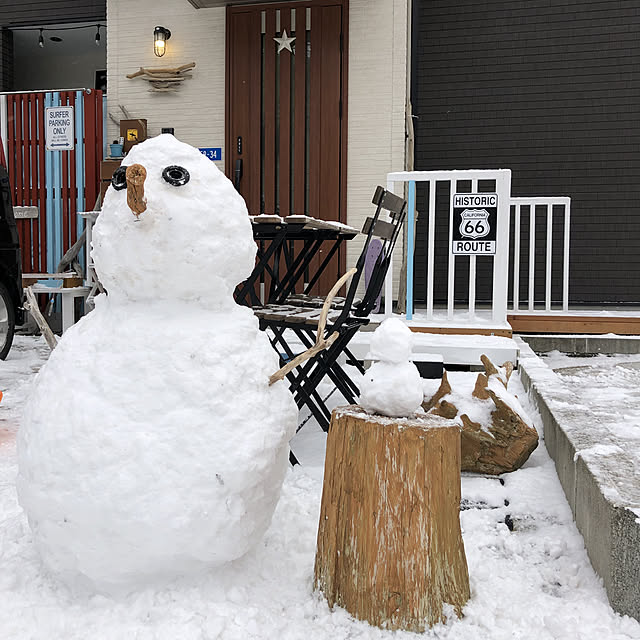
[286,120]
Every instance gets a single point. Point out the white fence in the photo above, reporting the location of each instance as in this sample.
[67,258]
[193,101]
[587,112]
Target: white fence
[501,178]
[532,204]
[501,181]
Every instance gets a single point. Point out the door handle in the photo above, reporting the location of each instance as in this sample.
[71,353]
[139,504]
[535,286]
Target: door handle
[237,174]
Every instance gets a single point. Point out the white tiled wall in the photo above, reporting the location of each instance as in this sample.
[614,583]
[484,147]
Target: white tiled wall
[376,92]
[377,97]
[196,110]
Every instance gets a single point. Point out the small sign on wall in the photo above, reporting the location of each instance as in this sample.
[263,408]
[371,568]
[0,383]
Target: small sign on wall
[59,132]
[475,219]
[213,153]
[25,212]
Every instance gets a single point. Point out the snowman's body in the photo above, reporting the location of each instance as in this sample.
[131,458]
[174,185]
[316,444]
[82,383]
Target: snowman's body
[392,385]
[152,445]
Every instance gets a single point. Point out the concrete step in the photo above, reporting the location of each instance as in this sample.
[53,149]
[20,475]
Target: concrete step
[454,349]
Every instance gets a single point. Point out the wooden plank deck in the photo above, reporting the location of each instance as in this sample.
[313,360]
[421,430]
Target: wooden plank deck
[580,321]
[577,323]
[464,331]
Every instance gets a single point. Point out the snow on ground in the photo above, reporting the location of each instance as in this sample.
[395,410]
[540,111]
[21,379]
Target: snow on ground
[532,582]
[610,387]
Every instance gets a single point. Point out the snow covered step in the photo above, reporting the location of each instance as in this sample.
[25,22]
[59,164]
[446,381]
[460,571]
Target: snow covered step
[454,349]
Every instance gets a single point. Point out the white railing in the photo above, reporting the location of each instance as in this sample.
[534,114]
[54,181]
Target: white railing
[502,179]
[532,204]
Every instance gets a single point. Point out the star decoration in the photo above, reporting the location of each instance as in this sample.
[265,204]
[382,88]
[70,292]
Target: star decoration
[284,42]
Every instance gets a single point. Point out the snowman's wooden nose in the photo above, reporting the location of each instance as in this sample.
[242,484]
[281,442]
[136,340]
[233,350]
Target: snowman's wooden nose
[136,175]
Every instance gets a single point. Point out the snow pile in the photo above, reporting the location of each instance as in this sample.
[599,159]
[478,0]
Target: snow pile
[392,386]
[532,582]
[152,445]
[478,410]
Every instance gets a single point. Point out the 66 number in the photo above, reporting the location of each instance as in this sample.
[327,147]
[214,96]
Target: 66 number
[476,229]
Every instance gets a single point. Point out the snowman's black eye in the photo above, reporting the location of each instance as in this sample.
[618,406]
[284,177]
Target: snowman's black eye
[119,179]
[175,175]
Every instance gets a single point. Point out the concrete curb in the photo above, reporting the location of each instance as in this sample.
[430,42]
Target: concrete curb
[583,345]
[597,478]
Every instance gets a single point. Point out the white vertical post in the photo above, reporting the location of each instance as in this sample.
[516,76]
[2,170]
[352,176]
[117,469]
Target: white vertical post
[388,281]
[410,218]
[68,315]
[4,124]
[565,257]
[472,269]
[532,253]
[547,283]
[501,259]
[452,259]
[516,257]
[431,247]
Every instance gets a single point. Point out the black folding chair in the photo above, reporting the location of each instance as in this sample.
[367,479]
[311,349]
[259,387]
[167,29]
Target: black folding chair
[301,320]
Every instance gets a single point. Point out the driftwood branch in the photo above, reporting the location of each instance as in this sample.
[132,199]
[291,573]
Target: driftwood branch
[166,79]
[32,307]
[321,342]
[70,256]
[171,71]
[126,114]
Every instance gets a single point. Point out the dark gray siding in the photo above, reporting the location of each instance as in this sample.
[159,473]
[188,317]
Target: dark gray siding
[551,90]
[6,60]
[16,13]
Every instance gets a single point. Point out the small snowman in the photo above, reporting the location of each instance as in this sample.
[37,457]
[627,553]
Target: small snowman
[152,445]
[392,385]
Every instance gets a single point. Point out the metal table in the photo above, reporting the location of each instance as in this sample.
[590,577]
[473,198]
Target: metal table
[286,265]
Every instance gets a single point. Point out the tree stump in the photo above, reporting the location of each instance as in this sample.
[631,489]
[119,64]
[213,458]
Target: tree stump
[389,548]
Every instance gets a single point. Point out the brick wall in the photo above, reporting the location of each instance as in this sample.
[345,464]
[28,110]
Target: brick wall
[549,89]
[376,93]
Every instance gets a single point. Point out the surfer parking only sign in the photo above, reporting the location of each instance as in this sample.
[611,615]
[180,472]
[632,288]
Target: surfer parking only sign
[475,219]
[59,135]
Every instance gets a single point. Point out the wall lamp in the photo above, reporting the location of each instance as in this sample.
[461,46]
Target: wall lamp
[160,37]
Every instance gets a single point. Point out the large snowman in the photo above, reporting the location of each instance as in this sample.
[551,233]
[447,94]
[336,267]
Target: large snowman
[152,446]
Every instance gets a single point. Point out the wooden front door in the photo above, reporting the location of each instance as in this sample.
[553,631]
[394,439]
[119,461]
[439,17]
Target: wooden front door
[286,112]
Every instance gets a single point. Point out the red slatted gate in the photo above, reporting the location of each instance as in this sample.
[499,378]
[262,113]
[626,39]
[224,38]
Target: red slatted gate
[59,183]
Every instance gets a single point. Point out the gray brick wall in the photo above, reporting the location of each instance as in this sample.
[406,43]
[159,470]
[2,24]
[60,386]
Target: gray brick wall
[551,90]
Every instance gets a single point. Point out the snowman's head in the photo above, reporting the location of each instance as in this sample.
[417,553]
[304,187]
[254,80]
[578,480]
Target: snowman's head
[172,227]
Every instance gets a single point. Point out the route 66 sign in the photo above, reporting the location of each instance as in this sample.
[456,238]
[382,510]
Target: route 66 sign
[475,217]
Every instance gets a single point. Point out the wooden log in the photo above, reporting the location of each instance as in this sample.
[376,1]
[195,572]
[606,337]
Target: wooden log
[31,305]
[390,548]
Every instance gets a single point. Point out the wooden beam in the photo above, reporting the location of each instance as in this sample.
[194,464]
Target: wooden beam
[465,331]
[574,324]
